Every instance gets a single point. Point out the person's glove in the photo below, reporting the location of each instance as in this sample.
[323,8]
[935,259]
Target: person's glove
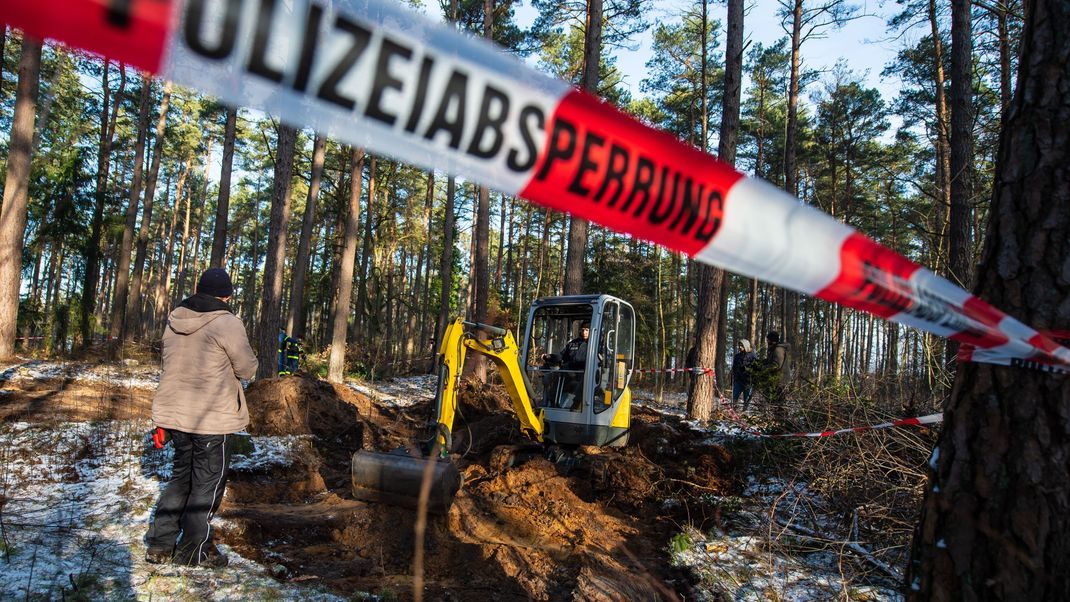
[159,437]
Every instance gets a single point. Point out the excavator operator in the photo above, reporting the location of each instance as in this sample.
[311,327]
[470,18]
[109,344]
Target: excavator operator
[573,360]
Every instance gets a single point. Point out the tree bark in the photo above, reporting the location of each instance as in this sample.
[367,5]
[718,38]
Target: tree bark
[222,210]
[995,522]
[133,311]
[366,254]
[961,142]
[476,367]
[271,299]
[92,250]
[296,323]
[122,276]
[577,227]
[791,167]
[943,133]
[163,282]
[959,239]
[344,292]
[711,280]
[420,297]
[17,191]
[445,269]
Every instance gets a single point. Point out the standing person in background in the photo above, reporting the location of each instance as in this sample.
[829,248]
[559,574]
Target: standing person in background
[289,354]
[741,366]
[200,402]
[776,371]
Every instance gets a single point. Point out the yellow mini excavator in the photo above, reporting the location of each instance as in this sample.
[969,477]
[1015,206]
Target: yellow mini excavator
[568,385]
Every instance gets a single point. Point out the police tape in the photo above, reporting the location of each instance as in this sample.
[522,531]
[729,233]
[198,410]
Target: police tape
[699,371]
[749,429]
[728,408]
[970,353]
[916,421]
[373,74]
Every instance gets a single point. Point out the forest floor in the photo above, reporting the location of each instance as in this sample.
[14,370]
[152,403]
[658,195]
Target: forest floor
[677,514]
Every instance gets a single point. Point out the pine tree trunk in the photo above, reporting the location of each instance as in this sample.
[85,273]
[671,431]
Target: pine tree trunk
[122,279]
[577,227]
[184,254]
[249,290]
[423,273]
[995,523]
[92,250]
[222,210]
[275,262]
[361,319]
[943,136]
[344,292]
[711,280]
[133,311]
[17,192]
[445,269]
[961,151]
[163,282]
[295,325]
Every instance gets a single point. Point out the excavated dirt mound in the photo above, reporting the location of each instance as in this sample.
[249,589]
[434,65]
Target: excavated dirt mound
[594,525]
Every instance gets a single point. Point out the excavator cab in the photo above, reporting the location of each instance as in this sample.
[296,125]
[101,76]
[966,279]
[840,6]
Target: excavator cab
[568,385]
[581,385]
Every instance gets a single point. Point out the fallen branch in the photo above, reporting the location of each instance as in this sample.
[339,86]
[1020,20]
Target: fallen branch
[850,545]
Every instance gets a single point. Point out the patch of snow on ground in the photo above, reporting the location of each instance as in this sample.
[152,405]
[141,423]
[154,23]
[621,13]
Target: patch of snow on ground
[271,451]
[123,375]
[399,392]
[719,431]
[76,499]
[747,567]
[755,558]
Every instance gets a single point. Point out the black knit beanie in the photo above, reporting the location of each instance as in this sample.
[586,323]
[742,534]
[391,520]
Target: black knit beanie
[215,282]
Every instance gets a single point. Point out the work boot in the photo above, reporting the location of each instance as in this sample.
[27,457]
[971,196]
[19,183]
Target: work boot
[158,556]
[212,558]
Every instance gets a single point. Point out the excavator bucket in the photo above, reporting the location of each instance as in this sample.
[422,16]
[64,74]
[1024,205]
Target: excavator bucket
[396,478]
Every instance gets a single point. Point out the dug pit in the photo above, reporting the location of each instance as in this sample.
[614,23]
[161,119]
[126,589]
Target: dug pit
[595,526]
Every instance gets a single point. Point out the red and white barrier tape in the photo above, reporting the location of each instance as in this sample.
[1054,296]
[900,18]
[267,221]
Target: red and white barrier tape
[917,421]
[970,353]
[373,74]
[727,408]
[699,371]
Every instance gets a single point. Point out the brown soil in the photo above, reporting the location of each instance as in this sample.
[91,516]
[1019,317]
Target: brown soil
[592,527]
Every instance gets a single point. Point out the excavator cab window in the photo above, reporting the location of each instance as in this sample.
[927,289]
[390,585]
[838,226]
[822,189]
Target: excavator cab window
[557,354]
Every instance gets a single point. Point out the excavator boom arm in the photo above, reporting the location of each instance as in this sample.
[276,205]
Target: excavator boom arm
[504,352]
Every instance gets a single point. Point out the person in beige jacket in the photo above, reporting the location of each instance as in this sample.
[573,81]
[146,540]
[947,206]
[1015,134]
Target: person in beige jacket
[199,404]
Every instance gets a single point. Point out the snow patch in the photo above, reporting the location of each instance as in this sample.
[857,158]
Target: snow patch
[757,558]
[126,374]
[271,451]
[78,499]
[399,392]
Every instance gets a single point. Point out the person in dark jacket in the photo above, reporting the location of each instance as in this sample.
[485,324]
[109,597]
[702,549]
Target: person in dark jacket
[289,354]
[198,405]
[572,358]
[574,355]
[741,367]
[777,370]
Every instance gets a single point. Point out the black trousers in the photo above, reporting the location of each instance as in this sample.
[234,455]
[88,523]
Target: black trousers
[191,497]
